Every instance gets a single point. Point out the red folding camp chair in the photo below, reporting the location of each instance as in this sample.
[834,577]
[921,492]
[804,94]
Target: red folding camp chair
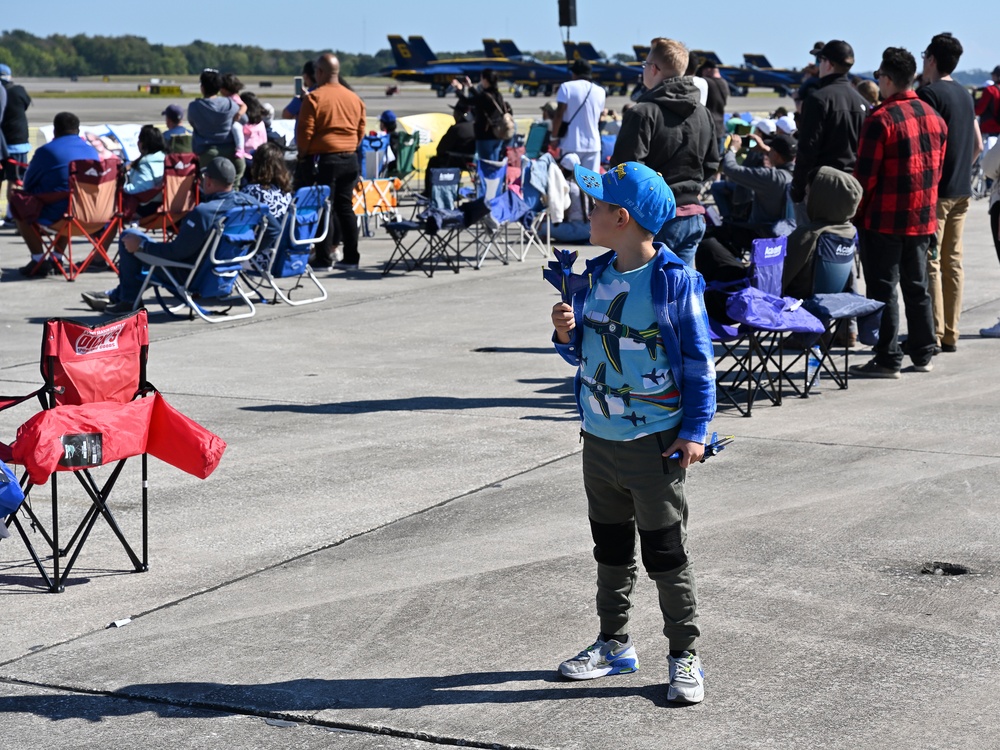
[93,214]
[180,195]
[94,414]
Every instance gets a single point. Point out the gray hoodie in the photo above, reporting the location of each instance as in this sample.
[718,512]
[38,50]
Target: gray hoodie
[670,131]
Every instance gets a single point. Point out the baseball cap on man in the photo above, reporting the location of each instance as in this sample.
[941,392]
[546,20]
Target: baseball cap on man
[4,72]
[221,170]
[636,188]
[174,112]
[388,117]
[838,52]
[817,49]
[784,145]
[996,70]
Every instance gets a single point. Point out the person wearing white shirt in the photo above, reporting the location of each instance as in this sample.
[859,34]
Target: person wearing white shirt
[579,103]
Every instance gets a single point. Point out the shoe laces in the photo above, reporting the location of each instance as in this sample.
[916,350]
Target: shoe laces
[684,667]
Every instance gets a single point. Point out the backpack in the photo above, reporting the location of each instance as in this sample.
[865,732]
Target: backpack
[501,123]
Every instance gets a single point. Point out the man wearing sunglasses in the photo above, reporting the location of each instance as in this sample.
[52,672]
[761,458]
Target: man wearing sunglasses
[671,132]
[900,160]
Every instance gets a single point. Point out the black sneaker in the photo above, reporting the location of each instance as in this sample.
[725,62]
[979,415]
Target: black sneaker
[873,370]
[38,269]
[949,348]
[96,300]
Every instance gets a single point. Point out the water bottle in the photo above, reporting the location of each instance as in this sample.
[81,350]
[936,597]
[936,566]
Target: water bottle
[813,368]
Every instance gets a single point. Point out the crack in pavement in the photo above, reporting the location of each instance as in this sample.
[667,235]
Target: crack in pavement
[311,720]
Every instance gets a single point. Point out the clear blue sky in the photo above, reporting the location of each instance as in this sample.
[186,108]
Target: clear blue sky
[783,31]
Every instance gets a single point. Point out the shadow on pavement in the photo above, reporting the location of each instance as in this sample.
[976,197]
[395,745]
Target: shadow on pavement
[321,695]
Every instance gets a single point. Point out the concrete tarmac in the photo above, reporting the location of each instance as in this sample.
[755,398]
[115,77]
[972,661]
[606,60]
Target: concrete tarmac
[412,99]
[395,551]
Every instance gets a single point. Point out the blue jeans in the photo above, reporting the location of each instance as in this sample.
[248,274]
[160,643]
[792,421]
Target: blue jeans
[683,234]
[130,276]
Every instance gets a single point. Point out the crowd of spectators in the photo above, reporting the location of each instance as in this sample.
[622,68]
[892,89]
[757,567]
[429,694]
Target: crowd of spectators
[761,168]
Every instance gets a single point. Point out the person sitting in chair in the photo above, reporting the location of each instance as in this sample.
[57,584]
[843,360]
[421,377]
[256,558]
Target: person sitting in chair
[217,197]
[47,177]
[457,146]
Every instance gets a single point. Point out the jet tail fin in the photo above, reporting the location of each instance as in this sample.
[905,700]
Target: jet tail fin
[404,55]
[509,48]
[492,49]
[423,50]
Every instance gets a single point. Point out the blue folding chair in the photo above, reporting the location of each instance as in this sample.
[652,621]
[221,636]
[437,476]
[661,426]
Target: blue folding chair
[762,315]
[538,135]
[213,278]
[373,155]
[306,222]
[834,305]
[607,149]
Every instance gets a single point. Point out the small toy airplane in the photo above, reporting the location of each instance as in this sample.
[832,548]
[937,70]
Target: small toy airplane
[712,448]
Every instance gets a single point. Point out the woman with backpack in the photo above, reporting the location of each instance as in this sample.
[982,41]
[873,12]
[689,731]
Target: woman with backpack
[492,115]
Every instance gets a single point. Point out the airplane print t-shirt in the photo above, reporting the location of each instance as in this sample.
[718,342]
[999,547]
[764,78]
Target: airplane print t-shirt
[626,388]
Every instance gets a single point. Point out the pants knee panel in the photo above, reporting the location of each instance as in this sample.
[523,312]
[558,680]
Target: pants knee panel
[662,549]
[614,543]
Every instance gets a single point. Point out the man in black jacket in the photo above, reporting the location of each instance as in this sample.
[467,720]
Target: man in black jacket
[829,125]
[670,132]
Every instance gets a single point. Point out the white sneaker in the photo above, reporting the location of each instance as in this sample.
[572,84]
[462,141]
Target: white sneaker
[600,659]
[993,332]
[687,679]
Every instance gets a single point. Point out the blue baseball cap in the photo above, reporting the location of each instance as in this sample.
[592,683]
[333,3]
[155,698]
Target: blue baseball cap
[636,188]
[388,117]
[4,71]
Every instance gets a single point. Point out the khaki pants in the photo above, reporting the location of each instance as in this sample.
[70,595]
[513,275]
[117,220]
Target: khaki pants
[944,273]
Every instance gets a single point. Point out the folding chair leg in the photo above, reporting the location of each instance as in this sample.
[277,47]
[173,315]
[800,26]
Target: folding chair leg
[53,588]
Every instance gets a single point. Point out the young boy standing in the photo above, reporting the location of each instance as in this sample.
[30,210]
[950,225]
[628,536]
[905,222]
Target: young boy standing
[645,390]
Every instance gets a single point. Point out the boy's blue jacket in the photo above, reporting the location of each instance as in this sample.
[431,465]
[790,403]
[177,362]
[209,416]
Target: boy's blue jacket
[680,312]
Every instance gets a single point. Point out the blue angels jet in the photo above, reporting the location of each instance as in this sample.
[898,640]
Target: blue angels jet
[602,390]
[534,75]
[616,77]
[416,62]
[752,74]
[612,331]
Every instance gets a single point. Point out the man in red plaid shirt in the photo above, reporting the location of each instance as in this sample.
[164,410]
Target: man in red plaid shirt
[900,158]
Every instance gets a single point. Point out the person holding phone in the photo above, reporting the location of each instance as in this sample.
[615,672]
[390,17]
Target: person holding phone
[303,85]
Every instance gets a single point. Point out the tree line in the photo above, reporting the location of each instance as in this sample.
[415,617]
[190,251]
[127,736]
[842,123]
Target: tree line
[81,55]
[57,55]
